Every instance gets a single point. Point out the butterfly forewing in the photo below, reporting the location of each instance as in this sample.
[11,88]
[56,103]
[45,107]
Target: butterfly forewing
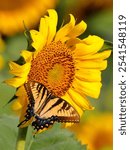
[39,93]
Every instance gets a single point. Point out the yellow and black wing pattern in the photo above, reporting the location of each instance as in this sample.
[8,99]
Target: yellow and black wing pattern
[46,108]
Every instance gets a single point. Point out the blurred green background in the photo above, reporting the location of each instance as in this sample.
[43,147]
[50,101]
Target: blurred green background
[98,16]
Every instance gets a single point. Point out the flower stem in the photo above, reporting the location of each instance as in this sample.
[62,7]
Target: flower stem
[21,139]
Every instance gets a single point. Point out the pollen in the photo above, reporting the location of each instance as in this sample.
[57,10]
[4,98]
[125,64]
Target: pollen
[54,68]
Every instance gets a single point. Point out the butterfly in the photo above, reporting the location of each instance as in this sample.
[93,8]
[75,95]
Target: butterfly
[46,108]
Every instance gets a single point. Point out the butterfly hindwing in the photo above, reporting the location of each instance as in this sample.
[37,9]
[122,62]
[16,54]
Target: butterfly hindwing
[60,108]
[48,108]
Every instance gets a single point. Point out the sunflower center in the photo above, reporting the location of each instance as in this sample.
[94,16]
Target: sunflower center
[53,67]
[12,4]
[56,74]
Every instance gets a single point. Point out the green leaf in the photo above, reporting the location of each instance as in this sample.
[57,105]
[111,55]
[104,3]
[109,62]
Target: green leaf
[56,138]
[14,45]
[29,39]
[13,98]
[6,93]
[8,132]
[20,61]
[101,23]
[107,46]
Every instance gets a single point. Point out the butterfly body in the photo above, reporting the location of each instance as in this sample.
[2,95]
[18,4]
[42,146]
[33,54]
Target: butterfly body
[46,108]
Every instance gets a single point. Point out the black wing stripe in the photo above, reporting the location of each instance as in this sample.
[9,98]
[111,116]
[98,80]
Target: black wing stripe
[49,97]
[55,104]
[40,88]
[68,107]
[42,95]
[29,93]
[43,92]
[64,106]
[46,100]
[43,102]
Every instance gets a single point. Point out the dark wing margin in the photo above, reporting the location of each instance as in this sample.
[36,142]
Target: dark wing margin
[37,95]
[30,107]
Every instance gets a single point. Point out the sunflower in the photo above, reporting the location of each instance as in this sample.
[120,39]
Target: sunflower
[95,132]
[2,47]
[1,62]
[68,66]
[88,7]
[17,11]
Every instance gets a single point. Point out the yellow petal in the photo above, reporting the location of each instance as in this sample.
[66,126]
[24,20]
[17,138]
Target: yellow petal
[15,82]
[92,64]
[101,55]
[72,42]
[65,30]
[21,92]
[66,125]
[82,49]
[92,75]
[64,39]
[78,29]
[27,55]
[19,70]
[93,39]
[91,89]
[79,100]
[22,96]
[20,105]
[52,24]
[71,102]
[43,29]
[91,45]
[16,105]
[39,39]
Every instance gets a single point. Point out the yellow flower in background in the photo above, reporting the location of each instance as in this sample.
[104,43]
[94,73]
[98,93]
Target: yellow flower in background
[96,131]
[94,4]
[14,12]
[1,62]
[68,66]
[87,7]
[2,47]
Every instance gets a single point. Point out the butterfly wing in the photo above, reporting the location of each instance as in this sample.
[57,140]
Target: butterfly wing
[30,107]
[48,108]
[60,108]
[37,95]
